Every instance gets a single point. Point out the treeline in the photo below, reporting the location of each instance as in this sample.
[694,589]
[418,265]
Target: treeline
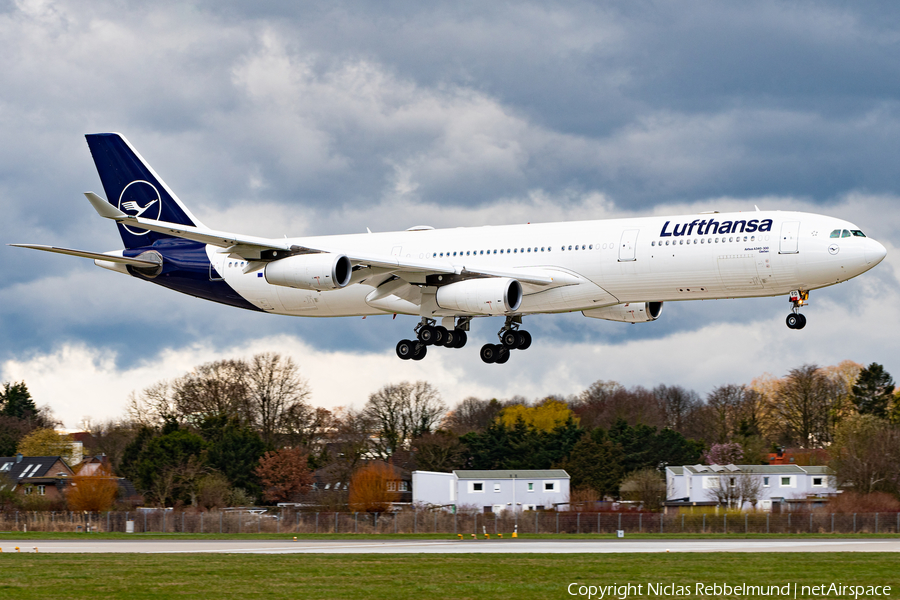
[204,438]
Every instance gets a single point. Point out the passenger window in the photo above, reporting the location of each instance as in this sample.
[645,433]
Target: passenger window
[652,243]
[667,242]
[591,247]
[515,249]
[570,247]
[529,249]
[845,234]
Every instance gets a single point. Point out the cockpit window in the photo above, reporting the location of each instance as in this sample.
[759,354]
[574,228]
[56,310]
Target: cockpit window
[857,233]
[836,233]
[845,234]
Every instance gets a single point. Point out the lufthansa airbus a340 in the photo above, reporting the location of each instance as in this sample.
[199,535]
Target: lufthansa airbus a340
[617,269]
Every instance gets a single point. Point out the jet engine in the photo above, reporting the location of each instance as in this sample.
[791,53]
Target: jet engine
[324,271]
[631,312]
[488,296]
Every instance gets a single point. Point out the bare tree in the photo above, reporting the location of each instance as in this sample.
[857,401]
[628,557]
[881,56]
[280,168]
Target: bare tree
[867,455]
[402,411]
[808,404]
[678,404]
[154,405]
[472,414]
[274,390]
[605,402]
[646,486]
[733,489]
[212,389]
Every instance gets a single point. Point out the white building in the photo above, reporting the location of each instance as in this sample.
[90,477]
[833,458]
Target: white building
[778,484]
[492,491]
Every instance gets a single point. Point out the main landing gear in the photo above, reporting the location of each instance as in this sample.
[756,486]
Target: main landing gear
[428,333]
[511,338]
[795,320]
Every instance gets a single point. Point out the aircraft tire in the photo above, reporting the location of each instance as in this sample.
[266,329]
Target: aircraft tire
[525,340]
[489,353]
[420,353]
[405,349]
[792,320]
[462,338]
[427,335]
[502,355]
[442,335]
[801,322]
[510,339]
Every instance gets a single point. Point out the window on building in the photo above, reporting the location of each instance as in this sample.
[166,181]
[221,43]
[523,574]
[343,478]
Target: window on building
[818,481]
[6,466]
[28,490]
[549,486]
[785,482]
[392,486]
[404,486]
[478,486]
[496,487]
[530,486]
[765,482]
[41,489]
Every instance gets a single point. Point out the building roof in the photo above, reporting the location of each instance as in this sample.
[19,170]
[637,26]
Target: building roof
[751,469]
[31,466]
[514,473]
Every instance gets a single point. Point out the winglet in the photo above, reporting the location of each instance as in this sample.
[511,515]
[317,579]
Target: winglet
[104,208]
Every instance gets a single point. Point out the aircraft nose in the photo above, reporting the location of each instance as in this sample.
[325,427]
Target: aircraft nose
[875,252]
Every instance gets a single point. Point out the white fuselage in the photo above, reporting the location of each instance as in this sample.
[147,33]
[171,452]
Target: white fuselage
[608,262]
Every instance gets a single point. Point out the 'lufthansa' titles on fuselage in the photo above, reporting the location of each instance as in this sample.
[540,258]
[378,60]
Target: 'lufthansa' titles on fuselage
[711,226]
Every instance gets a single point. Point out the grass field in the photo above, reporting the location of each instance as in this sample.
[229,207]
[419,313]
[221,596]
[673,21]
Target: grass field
[65,535]
[398,577]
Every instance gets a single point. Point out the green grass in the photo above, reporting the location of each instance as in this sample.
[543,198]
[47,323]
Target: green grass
[70,535]
[399,577]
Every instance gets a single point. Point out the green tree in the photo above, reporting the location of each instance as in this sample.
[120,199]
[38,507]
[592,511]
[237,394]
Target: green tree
[170,465]
[596,463]
[873,391]
[234,451]
[16,401]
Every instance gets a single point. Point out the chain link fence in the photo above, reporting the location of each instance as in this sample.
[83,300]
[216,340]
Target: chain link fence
[288,521]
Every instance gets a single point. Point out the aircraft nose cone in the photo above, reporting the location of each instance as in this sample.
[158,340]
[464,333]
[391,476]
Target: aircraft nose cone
[875,252]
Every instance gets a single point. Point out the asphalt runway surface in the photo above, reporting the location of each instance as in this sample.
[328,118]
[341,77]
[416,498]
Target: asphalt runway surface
[468,546]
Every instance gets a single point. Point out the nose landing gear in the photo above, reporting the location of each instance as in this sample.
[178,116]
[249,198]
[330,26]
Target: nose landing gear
[795,320]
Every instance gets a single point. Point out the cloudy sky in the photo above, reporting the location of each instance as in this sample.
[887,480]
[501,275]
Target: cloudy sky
[275,118]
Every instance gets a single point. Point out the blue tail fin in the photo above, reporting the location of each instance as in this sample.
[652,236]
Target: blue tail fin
[133,187]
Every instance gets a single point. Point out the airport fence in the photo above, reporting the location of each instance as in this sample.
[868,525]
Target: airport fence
[438,521]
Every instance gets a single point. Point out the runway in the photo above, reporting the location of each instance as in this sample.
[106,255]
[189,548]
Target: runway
[481,546]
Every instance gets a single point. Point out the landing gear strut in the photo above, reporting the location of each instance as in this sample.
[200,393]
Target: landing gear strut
[795,320]
[511,338]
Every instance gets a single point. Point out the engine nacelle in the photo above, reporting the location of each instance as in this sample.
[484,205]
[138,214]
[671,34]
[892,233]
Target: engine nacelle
[489,296]
[320,272]
[631,312]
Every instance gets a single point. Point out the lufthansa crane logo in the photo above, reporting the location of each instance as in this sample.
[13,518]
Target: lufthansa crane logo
[140,199]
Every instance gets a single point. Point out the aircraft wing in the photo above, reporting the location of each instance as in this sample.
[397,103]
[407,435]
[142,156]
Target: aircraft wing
[134,262]
[251,247]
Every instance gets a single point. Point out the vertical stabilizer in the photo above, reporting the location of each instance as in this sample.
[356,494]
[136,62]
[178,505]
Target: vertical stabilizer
[133,187]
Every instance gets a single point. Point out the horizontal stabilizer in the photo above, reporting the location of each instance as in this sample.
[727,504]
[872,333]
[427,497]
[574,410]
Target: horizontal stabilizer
[134,262]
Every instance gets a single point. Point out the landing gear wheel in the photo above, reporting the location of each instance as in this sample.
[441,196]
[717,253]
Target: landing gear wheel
[462,338]
[420,352]
[526,339]
[510,339]
[406,349]
[792,321]
[428,335]
[801,322]
[450,339]
[502,356]
[489,353]
[442,336]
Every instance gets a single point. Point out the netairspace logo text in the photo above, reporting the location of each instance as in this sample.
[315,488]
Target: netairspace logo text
[789,590]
